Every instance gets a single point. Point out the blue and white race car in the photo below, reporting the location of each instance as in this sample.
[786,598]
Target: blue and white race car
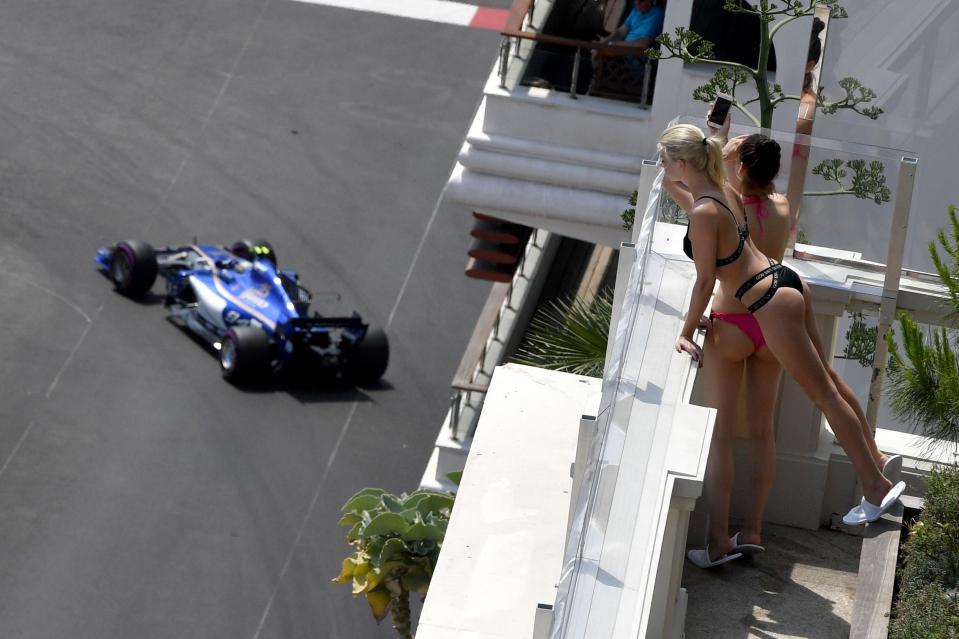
[253,314]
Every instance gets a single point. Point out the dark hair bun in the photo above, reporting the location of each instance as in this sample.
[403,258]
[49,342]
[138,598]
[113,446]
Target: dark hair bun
[761,157]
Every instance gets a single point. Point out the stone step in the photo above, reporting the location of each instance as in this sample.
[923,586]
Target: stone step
[590,179]
[603,126]
[590,216]
[629,163]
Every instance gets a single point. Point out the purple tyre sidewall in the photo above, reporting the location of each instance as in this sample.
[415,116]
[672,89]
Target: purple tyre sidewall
[128,253]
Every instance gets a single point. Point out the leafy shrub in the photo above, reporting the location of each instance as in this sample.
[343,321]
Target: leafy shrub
[928,607]
[397,541]
[942,497]
[932,556]
[929,613]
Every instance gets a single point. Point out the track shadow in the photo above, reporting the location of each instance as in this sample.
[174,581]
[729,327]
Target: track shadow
[306,382]
[147,299]
[319,388]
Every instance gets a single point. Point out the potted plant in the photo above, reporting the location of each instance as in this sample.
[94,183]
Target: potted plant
[397,542]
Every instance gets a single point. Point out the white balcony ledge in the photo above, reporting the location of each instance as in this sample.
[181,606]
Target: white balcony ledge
[504,546]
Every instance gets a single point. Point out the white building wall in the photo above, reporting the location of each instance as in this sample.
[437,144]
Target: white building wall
[912,73]
[907,53]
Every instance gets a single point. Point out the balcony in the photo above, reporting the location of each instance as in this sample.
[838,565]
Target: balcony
[638,464]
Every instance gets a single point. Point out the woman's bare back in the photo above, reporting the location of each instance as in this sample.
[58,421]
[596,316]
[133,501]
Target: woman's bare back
[769,224]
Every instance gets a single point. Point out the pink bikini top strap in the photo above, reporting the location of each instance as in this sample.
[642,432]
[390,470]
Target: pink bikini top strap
[761,212]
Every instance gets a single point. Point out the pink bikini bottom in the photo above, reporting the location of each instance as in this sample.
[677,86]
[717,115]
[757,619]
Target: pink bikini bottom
[746,322]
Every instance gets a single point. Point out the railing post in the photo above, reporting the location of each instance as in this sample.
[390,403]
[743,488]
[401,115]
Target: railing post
[542,621]
[587,430]
[455,401]
[575,80]
[890,287]
[644,96]
[503,61]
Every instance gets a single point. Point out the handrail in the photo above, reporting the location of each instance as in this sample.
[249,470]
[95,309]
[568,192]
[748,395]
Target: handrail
[522,10]
[615,49]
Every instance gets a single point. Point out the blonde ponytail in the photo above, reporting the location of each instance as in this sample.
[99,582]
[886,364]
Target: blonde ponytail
[687,142]
[714,161]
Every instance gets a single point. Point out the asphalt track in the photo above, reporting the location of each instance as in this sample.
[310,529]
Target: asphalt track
[141,496]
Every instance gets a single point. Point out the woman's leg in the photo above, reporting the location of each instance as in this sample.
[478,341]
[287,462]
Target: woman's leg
[844,389]
[783,322]
[722,384]
[763,374]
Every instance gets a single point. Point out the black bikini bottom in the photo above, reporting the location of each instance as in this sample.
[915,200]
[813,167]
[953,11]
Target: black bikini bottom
[782,276]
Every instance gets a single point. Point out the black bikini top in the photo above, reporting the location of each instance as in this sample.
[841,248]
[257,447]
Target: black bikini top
[742,230]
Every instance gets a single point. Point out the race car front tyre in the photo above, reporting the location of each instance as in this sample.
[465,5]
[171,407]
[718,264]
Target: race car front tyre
[245,354]
[133,267]
[368,360]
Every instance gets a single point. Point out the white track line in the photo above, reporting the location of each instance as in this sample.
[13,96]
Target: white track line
[416,257]
[73,352]
[431,10]
[306,519]
[209,115]
[339,440]
[442,11]
[455,13]
[16,448]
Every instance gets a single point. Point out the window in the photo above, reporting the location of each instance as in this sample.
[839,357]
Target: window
[735,35]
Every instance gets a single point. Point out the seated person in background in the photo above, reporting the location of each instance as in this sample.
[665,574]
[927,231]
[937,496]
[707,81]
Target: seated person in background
[637,33]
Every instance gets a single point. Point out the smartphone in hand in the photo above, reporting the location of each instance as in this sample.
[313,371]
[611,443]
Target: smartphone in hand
[717,115]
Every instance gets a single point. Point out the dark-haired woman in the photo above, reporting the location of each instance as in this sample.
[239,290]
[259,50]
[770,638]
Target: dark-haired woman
[764,313]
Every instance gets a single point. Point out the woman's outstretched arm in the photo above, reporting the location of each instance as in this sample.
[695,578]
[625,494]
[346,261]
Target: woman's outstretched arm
[680,194]
[702,235]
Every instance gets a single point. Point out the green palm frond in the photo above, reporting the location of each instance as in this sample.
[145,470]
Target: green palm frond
[924,374]
[949,272]
[924,381]
[569,335]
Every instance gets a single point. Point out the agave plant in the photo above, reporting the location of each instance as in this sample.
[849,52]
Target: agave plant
[569,335]
[860,341]
[690,47]
[397,541]
[866,182]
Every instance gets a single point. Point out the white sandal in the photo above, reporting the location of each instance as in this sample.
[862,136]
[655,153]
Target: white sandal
[700,557]
[892,469]
[867,513]
[745,549]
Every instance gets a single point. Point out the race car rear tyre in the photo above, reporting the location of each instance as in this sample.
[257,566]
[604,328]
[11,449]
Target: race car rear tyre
[254,250]
[369,359]
[245,354]
[133,267]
